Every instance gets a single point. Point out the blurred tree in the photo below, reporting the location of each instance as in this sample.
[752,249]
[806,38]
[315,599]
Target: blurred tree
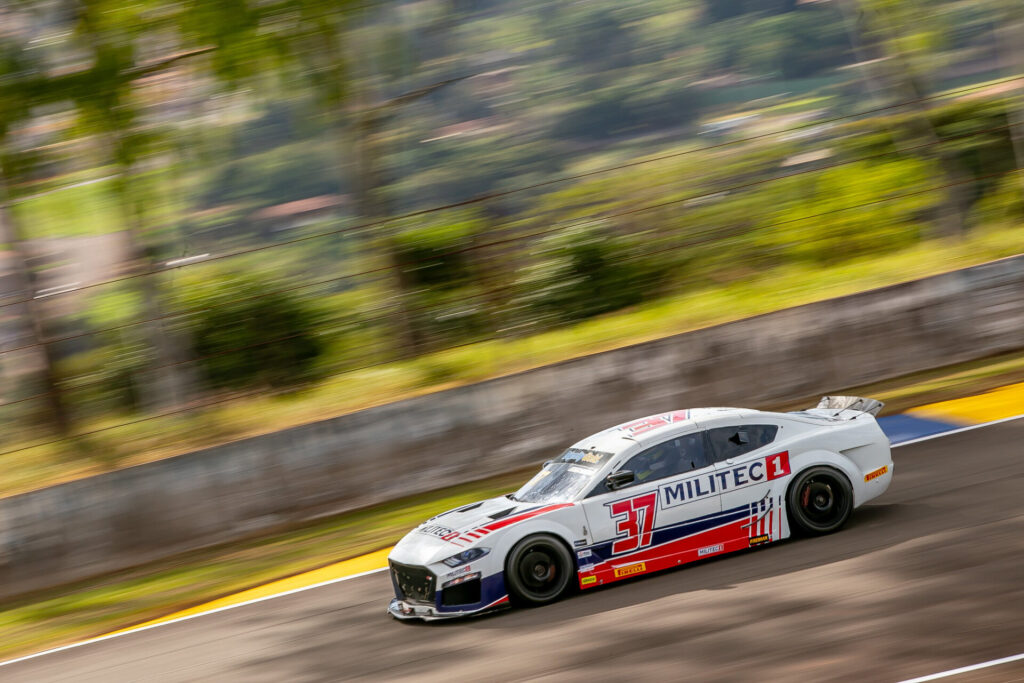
[587,271]
[242,340]
[593,37]
[22,88]
[799,44]
[839,231]
[319,39]
[111,34]
[1011,37]
[883,31]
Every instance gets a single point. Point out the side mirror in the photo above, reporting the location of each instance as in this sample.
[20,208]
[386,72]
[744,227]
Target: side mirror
[616,480]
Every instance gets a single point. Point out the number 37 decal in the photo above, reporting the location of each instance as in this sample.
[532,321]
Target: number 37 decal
[634,517]
[635,522]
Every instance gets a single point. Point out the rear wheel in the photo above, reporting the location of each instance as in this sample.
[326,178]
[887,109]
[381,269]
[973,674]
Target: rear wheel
[538,570]
[820,501]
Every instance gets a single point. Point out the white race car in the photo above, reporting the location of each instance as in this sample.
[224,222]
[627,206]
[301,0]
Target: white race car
[646,495]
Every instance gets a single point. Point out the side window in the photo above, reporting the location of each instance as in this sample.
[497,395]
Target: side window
[667,459]
[730,442]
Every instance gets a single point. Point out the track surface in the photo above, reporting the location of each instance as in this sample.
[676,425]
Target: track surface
[927,578]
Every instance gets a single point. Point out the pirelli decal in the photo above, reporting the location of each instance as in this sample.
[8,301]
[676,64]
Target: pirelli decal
[875,474]
[631,569]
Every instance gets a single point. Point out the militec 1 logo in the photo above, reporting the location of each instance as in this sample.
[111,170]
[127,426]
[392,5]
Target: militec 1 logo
[723,480]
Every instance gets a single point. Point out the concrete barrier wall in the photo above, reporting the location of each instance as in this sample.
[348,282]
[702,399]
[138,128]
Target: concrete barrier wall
[121,519]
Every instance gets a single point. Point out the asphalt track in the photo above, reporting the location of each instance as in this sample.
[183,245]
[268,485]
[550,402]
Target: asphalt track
[929,577]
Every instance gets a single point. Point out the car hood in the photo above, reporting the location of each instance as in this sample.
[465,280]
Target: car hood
[462,528]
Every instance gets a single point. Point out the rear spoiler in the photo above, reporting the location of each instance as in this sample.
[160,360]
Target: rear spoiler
[841,404]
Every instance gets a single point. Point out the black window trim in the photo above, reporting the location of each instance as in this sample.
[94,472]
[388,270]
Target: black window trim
[714,451]
[705,442]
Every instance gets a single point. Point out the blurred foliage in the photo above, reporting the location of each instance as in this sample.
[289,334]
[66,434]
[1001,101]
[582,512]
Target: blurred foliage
[287,129]
[438,256]
[246,332]
[1003,206]
[587,272]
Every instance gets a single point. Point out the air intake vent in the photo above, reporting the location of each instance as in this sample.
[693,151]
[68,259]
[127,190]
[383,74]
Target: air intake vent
[413,583]
[502,513]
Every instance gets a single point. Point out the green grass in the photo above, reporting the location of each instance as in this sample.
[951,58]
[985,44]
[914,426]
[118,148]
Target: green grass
[762,293]
[90,608]
[70,211]
[85,203]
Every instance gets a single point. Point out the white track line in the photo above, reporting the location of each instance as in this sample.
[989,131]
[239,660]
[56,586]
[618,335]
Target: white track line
[965,669]
[374,571]
[192,616]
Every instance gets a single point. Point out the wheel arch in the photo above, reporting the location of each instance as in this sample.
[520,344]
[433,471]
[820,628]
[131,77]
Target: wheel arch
[532,528]
[822,458]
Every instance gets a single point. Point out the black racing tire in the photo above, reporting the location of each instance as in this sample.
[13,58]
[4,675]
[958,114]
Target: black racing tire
[820,500]
[538,570]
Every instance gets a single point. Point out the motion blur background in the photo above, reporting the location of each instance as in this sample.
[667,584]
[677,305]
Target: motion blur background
[226,217]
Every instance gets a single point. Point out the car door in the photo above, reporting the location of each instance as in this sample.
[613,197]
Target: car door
[644,525]
[746,463]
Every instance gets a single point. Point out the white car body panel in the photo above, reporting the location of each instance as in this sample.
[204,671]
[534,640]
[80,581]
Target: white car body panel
[726,505]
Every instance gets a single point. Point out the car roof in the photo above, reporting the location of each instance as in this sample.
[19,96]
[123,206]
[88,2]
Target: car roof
[652,428]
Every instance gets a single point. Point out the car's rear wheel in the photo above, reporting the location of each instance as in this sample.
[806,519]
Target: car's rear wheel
[820,501]
[538,570]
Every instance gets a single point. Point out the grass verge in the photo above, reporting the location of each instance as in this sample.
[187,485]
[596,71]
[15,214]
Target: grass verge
[91,608]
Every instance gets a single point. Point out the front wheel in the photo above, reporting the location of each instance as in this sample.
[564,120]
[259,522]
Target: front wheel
[820,501]
[538,570]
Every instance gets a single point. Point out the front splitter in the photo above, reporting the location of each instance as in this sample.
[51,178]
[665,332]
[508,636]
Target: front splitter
[406,611]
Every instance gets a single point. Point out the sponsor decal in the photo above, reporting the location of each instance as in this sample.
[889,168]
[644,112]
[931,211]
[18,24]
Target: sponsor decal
[587,580]
[579,542]
[587,568]
[470,537]
[631,569]
[436,530]
[584,553]
[875,474]
[710,550]
[759,540]
[648,423]
[725,480]
[460,570]
[634,525]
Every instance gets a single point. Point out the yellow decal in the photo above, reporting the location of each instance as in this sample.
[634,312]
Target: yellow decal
[877,473]
[757,540]
[587,580]
[591,457]
[631,569]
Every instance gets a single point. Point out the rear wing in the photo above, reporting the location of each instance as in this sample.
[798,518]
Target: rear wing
[847,406]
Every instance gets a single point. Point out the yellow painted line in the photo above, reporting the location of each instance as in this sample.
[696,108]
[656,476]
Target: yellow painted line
[339,570]
[997,404]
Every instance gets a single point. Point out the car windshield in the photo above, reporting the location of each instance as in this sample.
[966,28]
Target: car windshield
[564,478]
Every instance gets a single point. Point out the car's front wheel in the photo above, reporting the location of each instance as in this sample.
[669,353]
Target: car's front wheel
[820,501]
[538,570]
